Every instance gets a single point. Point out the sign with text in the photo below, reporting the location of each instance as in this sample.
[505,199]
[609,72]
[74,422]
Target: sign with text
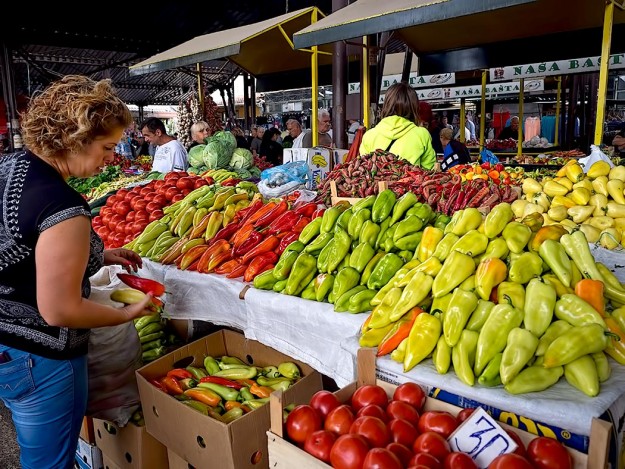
[558,67]
[414,80]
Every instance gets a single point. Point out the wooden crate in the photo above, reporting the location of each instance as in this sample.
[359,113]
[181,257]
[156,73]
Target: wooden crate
[382,185]
[283,455]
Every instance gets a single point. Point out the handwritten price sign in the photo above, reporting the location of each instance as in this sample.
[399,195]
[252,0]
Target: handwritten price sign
[481,437]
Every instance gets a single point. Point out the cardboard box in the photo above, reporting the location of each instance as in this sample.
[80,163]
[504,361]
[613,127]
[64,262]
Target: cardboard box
[108,463]
[319,162]
[339,156]
[88,456]
[130,447]
[201,440]
[86,430]
[176,462]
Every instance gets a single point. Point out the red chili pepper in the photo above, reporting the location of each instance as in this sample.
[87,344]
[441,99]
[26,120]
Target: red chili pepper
[268,244]
[254,238]
[284,242]
[247,212]
[156,383]
[227,267]
[223,381]
[300,225]
[284,222]
[241,235]
[270,216]
[231,182]
[171,385]
[258,264]
[238,271]
[179,373]
[146,285]
[226,232]
[306,209]
[318,213]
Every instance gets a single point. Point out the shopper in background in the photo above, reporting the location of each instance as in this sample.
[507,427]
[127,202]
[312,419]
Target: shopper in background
[295,132]
[199,131]
[170,154]
[354,125]
[48,253]
[239,135]
[270,148]
[323,128]
[257,140]
[454,152]
[445,123]
[251,136]
[435,128]
[512,131]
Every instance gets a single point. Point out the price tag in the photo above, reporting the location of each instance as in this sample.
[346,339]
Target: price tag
[481,437]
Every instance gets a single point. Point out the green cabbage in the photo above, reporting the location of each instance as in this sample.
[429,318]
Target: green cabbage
[242,173]
[242,159]
[227,139]
[255,172]
[195,156]
[216,155]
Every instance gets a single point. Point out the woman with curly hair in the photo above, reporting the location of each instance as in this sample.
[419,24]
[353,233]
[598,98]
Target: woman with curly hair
[48,251]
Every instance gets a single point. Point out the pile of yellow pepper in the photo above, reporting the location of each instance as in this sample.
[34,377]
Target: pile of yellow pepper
[503,302]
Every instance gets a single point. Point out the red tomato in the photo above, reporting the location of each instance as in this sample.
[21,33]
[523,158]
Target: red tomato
[128,238]
[432,443]
[149,196]
[145,191]
[464,414]
[199,182]
[138,226]
[106,219]
[209,180]
[457,460]
[122,193]
[402,410]
[369,394]
[185,183]
[171,192]
[373,430]
[402,452]
[122,207]
[177,197]
[185,192]
[323,402]
[339,420]
[141,215]
[128,229]
[510,461]
[319,444]
[520,445]
[425,460]
[118,240]
[159,183]
[131,195]
[160,199]
[115,220]
[111,200]
[381,458]
[156,215]
[140,203]
[96,221]
[373,410]
[130,216]
[103,232]
[403,432]
[151,206]
[439,422]
[411,393]
[301,422]
[172,175]
[546,452]
[106,211]
[349,452]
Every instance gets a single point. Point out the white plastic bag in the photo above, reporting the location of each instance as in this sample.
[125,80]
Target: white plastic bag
[595,155]
[114,355]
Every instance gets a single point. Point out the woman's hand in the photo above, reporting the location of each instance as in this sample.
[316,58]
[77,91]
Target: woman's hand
[137,310]
[129,260]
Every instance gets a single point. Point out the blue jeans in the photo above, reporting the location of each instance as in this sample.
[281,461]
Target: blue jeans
[48,400]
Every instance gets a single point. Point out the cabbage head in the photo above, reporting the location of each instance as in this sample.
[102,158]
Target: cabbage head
[216,155]
[227,139]
[242,159]
[195,156]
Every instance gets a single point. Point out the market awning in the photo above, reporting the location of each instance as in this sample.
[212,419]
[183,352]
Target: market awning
[428,26]
[258,48]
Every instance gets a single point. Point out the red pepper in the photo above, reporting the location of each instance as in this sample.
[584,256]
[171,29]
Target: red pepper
[179,373]
[268,244]
[238,271]
[270,216]
[227,267]
[241,235]
[223,381]
[258,263]
[247,212]
[300,225]
[217,259]
[284,242]
[254,238]
[306,209]
[171,385]
[156,383]
[226,232]
[262,211]
[284,222]
[146,285]
[318,213]
[231,182]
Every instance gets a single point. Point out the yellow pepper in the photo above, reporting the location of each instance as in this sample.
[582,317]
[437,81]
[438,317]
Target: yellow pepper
[580,196]
[580,213]
[497,219]
[497,248]
[584,183]
[467,220]
[490,273]
[443,249]
[617,172]
[601,222]
[517,235]
[413,294]
[429,241]
[574,172]
[592,233]
[553,232]
[565,182]
[462,304]
[552,188]
[562,200]
[531,186]
[615,189]
[423,337]
[472,243]
[599,168]
[456,269]
[511,293]
[600,185]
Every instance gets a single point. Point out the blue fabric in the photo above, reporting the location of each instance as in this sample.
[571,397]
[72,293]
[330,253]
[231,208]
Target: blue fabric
[48,400]
[548,128]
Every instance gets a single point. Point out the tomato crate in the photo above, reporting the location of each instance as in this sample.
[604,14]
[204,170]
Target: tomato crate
[283,454]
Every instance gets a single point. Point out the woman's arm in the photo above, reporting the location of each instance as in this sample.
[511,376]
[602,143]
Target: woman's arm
[61,256]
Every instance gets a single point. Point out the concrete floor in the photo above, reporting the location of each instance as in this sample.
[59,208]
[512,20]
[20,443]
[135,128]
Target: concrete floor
[9,451]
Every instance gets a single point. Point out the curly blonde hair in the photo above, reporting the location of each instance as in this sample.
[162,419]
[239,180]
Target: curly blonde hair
[70,114]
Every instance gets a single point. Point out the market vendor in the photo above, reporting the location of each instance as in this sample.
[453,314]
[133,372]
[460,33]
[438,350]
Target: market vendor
[511,131]
[170,154]
[199,131]
[454,152]
[399,131]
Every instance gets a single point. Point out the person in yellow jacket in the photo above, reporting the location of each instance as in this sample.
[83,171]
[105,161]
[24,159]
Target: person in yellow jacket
[398,131]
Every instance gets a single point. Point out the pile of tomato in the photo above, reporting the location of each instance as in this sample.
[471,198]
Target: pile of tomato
[375,432]
[126,213]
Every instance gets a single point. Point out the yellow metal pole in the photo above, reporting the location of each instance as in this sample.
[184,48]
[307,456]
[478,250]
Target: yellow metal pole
[483,110]
[200,86]
[608,19]
[519,147]
[556,139]
[314,62]
[365,82]
[463,119]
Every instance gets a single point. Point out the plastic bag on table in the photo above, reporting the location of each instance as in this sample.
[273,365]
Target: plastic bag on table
[113,356]
[295,171]
[305,196]
[488,156]
[269,192]
[595,155]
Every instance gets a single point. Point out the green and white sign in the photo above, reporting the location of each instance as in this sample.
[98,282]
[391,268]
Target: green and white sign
[558,67]
[414,80]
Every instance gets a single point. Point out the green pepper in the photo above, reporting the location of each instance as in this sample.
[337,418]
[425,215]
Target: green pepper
[381,315]
[373,337]
[464,221]
[198,373]
[303,271]
[367,202]
[582,374]
[405,255]
[409,242]
[399,276]
[517,235]
[361,301]
[463,356]
[442,221]
[519,350]
[364,278]
[443,248]
[343,220]
[456,269]
[384,271]
[441,304]
[383,205]
[342,303]
[356,222]
[279,286]
[361,256]
[497,248]
[346,279]
[462,304]
[423,337]
[534,378]
[554,255]
[319,243]
[574,343]
[266,280]
[577,312]
[309,293]
[331,215]
[407,226]
[284,265]
[525,267]
[384,226]
[310,231]
[540,301]
[441,357]
[555,330]
[369,233]
[387,240]
[422,211]
[323,258]
[323,286]
[490,376]
[511,292]
[497,219]
[296,246]
[414,293]
[340,249]
[604,370]
[494,334]
[472,243]
[403,204]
